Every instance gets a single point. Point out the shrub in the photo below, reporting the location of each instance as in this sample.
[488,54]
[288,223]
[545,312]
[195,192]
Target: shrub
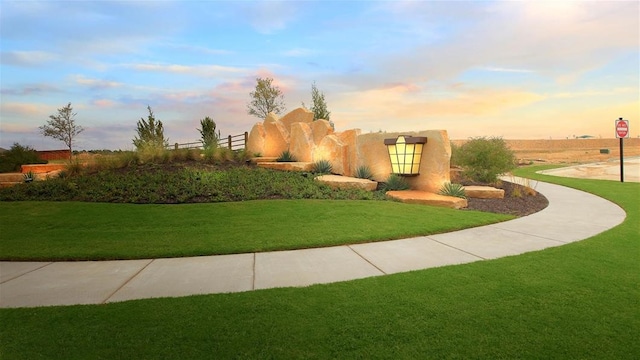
[396,182]
[363,172]
[322,167]
[455,190]
[286,156]
[73,168]
[18,155]
[455,155]
[483,159]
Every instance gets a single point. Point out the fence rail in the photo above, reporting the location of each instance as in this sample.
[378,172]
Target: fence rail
[231,142]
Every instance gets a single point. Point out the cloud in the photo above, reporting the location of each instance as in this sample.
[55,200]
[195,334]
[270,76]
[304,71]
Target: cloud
[404,105]
[31,89]
[95,83]
[22,109]
[268,17]
[193,70]
[299,52]
[27,58]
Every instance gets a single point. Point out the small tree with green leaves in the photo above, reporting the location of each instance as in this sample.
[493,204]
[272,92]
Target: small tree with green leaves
[62,126]
[319,106]
[265,99]
[18,155]
[483,159]
[150,133]
[208,132]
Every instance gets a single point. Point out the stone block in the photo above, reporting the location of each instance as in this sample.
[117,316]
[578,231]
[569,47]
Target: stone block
[483,192]
[332,149]
[276,137]
[301,143]
[287,166]
[427,198]
[349,139]
[255,143]
[320,129]
[299,115]
[346,182]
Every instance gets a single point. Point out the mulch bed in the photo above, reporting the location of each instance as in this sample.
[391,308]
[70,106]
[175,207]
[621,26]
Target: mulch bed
[518,200]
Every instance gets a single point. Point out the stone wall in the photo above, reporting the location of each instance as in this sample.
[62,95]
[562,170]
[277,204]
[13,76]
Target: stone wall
[434,165]
[310,141]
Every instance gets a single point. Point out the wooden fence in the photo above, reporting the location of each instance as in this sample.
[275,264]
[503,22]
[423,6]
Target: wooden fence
[232,142]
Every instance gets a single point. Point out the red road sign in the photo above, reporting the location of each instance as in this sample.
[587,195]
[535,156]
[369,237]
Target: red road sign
[622,128]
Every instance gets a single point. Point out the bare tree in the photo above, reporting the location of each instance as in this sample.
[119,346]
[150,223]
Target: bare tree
[62,126]
[265,99]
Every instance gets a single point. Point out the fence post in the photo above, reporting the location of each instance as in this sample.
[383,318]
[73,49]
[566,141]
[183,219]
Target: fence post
[246,139]
[230,146]
[176,146]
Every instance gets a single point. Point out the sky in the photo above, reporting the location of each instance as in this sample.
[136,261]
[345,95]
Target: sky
[511,69]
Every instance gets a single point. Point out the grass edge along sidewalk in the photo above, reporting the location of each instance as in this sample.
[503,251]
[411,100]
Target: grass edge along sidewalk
[102,231]
[574,301]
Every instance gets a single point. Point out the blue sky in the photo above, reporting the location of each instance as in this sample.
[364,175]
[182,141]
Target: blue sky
[520,70]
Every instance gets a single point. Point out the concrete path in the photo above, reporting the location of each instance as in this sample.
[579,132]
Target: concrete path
[572,215]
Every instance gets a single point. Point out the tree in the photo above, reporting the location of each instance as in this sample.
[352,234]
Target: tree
[483,159]
[265,99]
[11,160]
[150,133]
[62,126]
[319,106]
[208,132]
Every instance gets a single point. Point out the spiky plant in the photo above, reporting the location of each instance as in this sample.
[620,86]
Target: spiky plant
[455,190]
[396,182]
[322,167]
[363,172]
[286,156]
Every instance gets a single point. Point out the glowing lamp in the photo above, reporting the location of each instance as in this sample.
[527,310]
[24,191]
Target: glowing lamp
[405,154]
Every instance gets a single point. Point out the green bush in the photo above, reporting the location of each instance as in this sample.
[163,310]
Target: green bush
[455,155]
[455,190]
[176,183]
[396,182]
[483,159]
[286,156]
[322,167]
[18,155]
[363,172]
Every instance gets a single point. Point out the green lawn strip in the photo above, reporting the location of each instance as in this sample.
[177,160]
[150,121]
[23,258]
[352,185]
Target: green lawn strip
[576,301]
[99,231]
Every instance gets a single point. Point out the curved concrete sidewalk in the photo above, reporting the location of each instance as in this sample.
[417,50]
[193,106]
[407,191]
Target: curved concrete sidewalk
[572,215]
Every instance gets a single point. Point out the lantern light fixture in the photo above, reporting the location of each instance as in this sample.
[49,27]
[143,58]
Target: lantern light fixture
[405,153]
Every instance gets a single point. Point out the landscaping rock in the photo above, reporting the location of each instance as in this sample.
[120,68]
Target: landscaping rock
[346,182]
[287,166]
[301,146]
[483,192]
[427,198]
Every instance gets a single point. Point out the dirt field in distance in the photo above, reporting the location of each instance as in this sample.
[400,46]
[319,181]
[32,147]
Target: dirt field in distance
[569,151]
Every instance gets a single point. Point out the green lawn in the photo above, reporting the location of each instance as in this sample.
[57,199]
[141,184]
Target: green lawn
[578,301]
[97,231]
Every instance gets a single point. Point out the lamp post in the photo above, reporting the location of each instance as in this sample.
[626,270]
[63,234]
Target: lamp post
[405,153]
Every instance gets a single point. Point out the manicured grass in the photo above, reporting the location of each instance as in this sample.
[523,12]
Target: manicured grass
[578,301]
[98,231]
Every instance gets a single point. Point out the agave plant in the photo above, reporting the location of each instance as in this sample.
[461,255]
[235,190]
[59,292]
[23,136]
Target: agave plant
[286,156]
[363,172]
[322,167]
[29,177]
[455,190]
[396,182]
